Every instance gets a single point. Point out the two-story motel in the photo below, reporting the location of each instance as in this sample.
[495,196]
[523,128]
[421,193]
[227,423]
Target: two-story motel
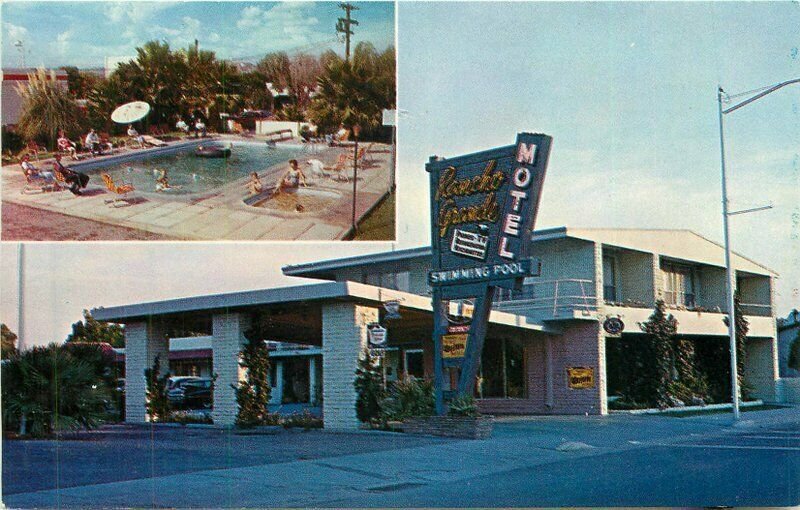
[535,335]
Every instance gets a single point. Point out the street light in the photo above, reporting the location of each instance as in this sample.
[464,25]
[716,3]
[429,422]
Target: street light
[726,214]
[356,131]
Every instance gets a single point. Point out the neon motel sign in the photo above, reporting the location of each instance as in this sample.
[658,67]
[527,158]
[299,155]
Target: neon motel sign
[483,208]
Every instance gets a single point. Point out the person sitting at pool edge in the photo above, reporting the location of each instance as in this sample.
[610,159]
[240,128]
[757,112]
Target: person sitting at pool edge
[133,134]
[293,178]
[92,142]
[317,168]
[66,145]
[254,185]
[76,180]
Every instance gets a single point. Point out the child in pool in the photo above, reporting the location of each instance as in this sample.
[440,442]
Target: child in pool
[255,185]
[293,178]
[162,182]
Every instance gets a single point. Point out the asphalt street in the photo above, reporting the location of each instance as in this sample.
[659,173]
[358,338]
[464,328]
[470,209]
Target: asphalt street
[618,460]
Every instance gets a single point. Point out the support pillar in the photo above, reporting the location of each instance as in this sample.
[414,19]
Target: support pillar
[143,342]
[312,380]
[226,343]
[344,337]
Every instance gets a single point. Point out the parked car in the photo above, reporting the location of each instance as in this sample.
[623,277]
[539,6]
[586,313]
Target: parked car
[175,389]
[197,394]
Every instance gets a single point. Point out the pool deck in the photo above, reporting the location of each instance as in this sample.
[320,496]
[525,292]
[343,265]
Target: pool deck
[221,214]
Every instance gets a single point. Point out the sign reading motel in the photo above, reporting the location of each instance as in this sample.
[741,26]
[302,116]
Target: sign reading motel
[483,208]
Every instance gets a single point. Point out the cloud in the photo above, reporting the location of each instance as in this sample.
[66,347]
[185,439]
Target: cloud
[251,17]
[135,12]
[15,32]
[62,42]
[291,19]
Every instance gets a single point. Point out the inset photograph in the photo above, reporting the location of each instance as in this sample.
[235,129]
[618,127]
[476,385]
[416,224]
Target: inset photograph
[198,121]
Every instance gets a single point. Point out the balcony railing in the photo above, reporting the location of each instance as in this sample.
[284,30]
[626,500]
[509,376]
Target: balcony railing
[549,297]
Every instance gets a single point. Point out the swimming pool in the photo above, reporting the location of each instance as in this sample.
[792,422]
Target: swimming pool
[189,174]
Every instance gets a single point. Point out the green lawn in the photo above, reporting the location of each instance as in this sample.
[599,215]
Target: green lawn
[379,225]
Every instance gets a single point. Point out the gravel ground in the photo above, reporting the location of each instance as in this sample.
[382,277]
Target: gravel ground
[21,223]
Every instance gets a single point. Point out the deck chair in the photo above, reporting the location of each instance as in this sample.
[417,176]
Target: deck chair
[121,190]
[38,183]
[338,170]
[155,142]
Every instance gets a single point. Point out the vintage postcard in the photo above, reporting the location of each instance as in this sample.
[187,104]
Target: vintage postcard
[589,295]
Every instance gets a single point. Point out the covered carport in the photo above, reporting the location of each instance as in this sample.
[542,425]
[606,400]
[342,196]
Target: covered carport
[333,316]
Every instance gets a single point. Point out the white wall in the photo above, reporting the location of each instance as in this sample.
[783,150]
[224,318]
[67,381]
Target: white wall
[270,126]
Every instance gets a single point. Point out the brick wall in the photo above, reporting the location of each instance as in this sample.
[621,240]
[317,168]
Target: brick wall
[344,336]
[226,343]
[760,368]
[143,342]
[581,345]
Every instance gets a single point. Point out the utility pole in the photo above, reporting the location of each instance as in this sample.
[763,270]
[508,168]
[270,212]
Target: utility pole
[343,26]
[20,297]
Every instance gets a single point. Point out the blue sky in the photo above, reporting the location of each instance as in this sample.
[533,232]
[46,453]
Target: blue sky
[84,33]
[627,90]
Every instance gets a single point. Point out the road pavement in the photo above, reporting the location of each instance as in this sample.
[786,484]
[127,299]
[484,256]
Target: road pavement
[540,461]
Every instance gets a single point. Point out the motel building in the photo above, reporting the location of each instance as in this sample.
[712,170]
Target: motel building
[546,345]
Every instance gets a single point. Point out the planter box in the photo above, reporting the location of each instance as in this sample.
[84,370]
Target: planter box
[451,426]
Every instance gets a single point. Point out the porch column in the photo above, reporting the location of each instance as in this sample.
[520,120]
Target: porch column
[312,380]
[344,337]
[143,342]
[226,343]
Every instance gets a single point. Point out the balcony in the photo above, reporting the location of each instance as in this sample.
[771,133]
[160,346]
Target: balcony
[550,299]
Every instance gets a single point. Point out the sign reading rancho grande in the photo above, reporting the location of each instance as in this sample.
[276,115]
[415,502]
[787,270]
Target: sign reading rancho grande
[483,207]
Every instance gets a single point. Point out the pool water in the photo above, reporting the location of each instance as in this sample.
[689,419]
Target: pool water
[189,174]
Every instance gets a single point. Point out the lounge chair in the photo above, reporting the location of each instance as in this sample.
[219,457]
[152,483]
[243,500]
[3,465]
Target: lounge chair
[37,182]
[121,190]
[338,170]
[151,140]
[34,148]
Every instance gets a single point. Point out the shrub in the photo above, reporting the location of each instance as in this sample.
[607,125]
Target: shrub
[48,389]
[369,388]
[408,398]
[185,417]
[304,420]
[157,402]
[463,405]
[254,392]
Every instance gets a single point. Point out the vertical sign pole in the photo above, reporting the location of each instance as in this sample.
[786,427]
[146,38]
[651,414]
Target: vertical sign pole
[439,328]
[477,334]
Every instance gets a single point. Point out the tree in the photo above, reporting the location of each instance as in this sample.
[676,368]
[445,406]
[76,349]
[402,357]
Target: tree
[794,353]
[46,108]
[254,91]
[660,329]
[49,389]
[356,92]
[157,402]
[9,342]
[742,328]
[276,69]
[94,331]
[690,381]
[80,83]
[254,392]
[369,388]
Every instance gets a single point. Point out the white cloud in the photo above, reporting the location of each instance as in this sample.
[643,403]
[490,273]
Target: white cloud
[251,17]
[62,42]
[15,32]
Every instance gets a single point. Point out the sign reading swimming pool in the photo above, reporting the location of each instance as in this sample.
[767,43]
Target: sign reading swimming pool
[483,208]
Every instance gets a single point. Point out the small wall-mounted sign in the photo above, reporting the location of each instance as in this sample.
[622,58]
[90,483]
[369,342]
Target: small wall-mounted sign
[454,345]
[613,326]
[376,334]
[580,378]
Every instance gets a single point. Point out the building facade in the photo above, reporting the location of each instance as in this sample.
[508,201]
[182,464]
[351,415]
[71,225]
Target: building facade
[546,346]
[13,78]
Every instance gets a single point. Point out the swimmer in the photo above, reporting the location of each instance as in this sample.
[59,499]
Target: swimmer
[254,185]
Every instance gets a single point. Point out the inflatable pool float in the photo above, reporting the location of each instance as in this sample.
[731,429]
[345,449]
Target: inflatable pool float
[212,151]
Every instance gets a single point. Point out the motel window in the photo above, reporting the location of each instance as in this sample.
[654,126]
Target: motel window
[610,292]
[680,284]
[396,281]
[502,370]
[414,363]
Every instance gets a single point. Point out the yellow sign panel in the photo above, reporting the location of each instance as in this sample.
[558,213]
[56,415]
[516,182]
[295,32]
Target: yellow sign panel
[580,377]
[454,346]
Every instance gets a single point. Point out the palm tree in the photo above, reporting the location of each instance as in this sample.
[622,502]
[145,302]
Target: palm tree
[49,389]
[46,108]
[355,93]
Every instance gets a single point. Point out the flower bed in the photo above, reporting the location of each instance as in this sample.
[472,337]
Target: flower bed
[463,427]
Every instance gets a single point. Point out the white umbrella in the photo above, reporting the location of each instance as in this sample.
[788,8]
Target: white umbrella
[130,112]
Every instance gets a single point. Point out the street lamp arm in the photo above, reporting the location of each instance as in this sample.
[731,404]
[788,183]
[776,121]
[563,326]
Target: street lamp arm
[760,95]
